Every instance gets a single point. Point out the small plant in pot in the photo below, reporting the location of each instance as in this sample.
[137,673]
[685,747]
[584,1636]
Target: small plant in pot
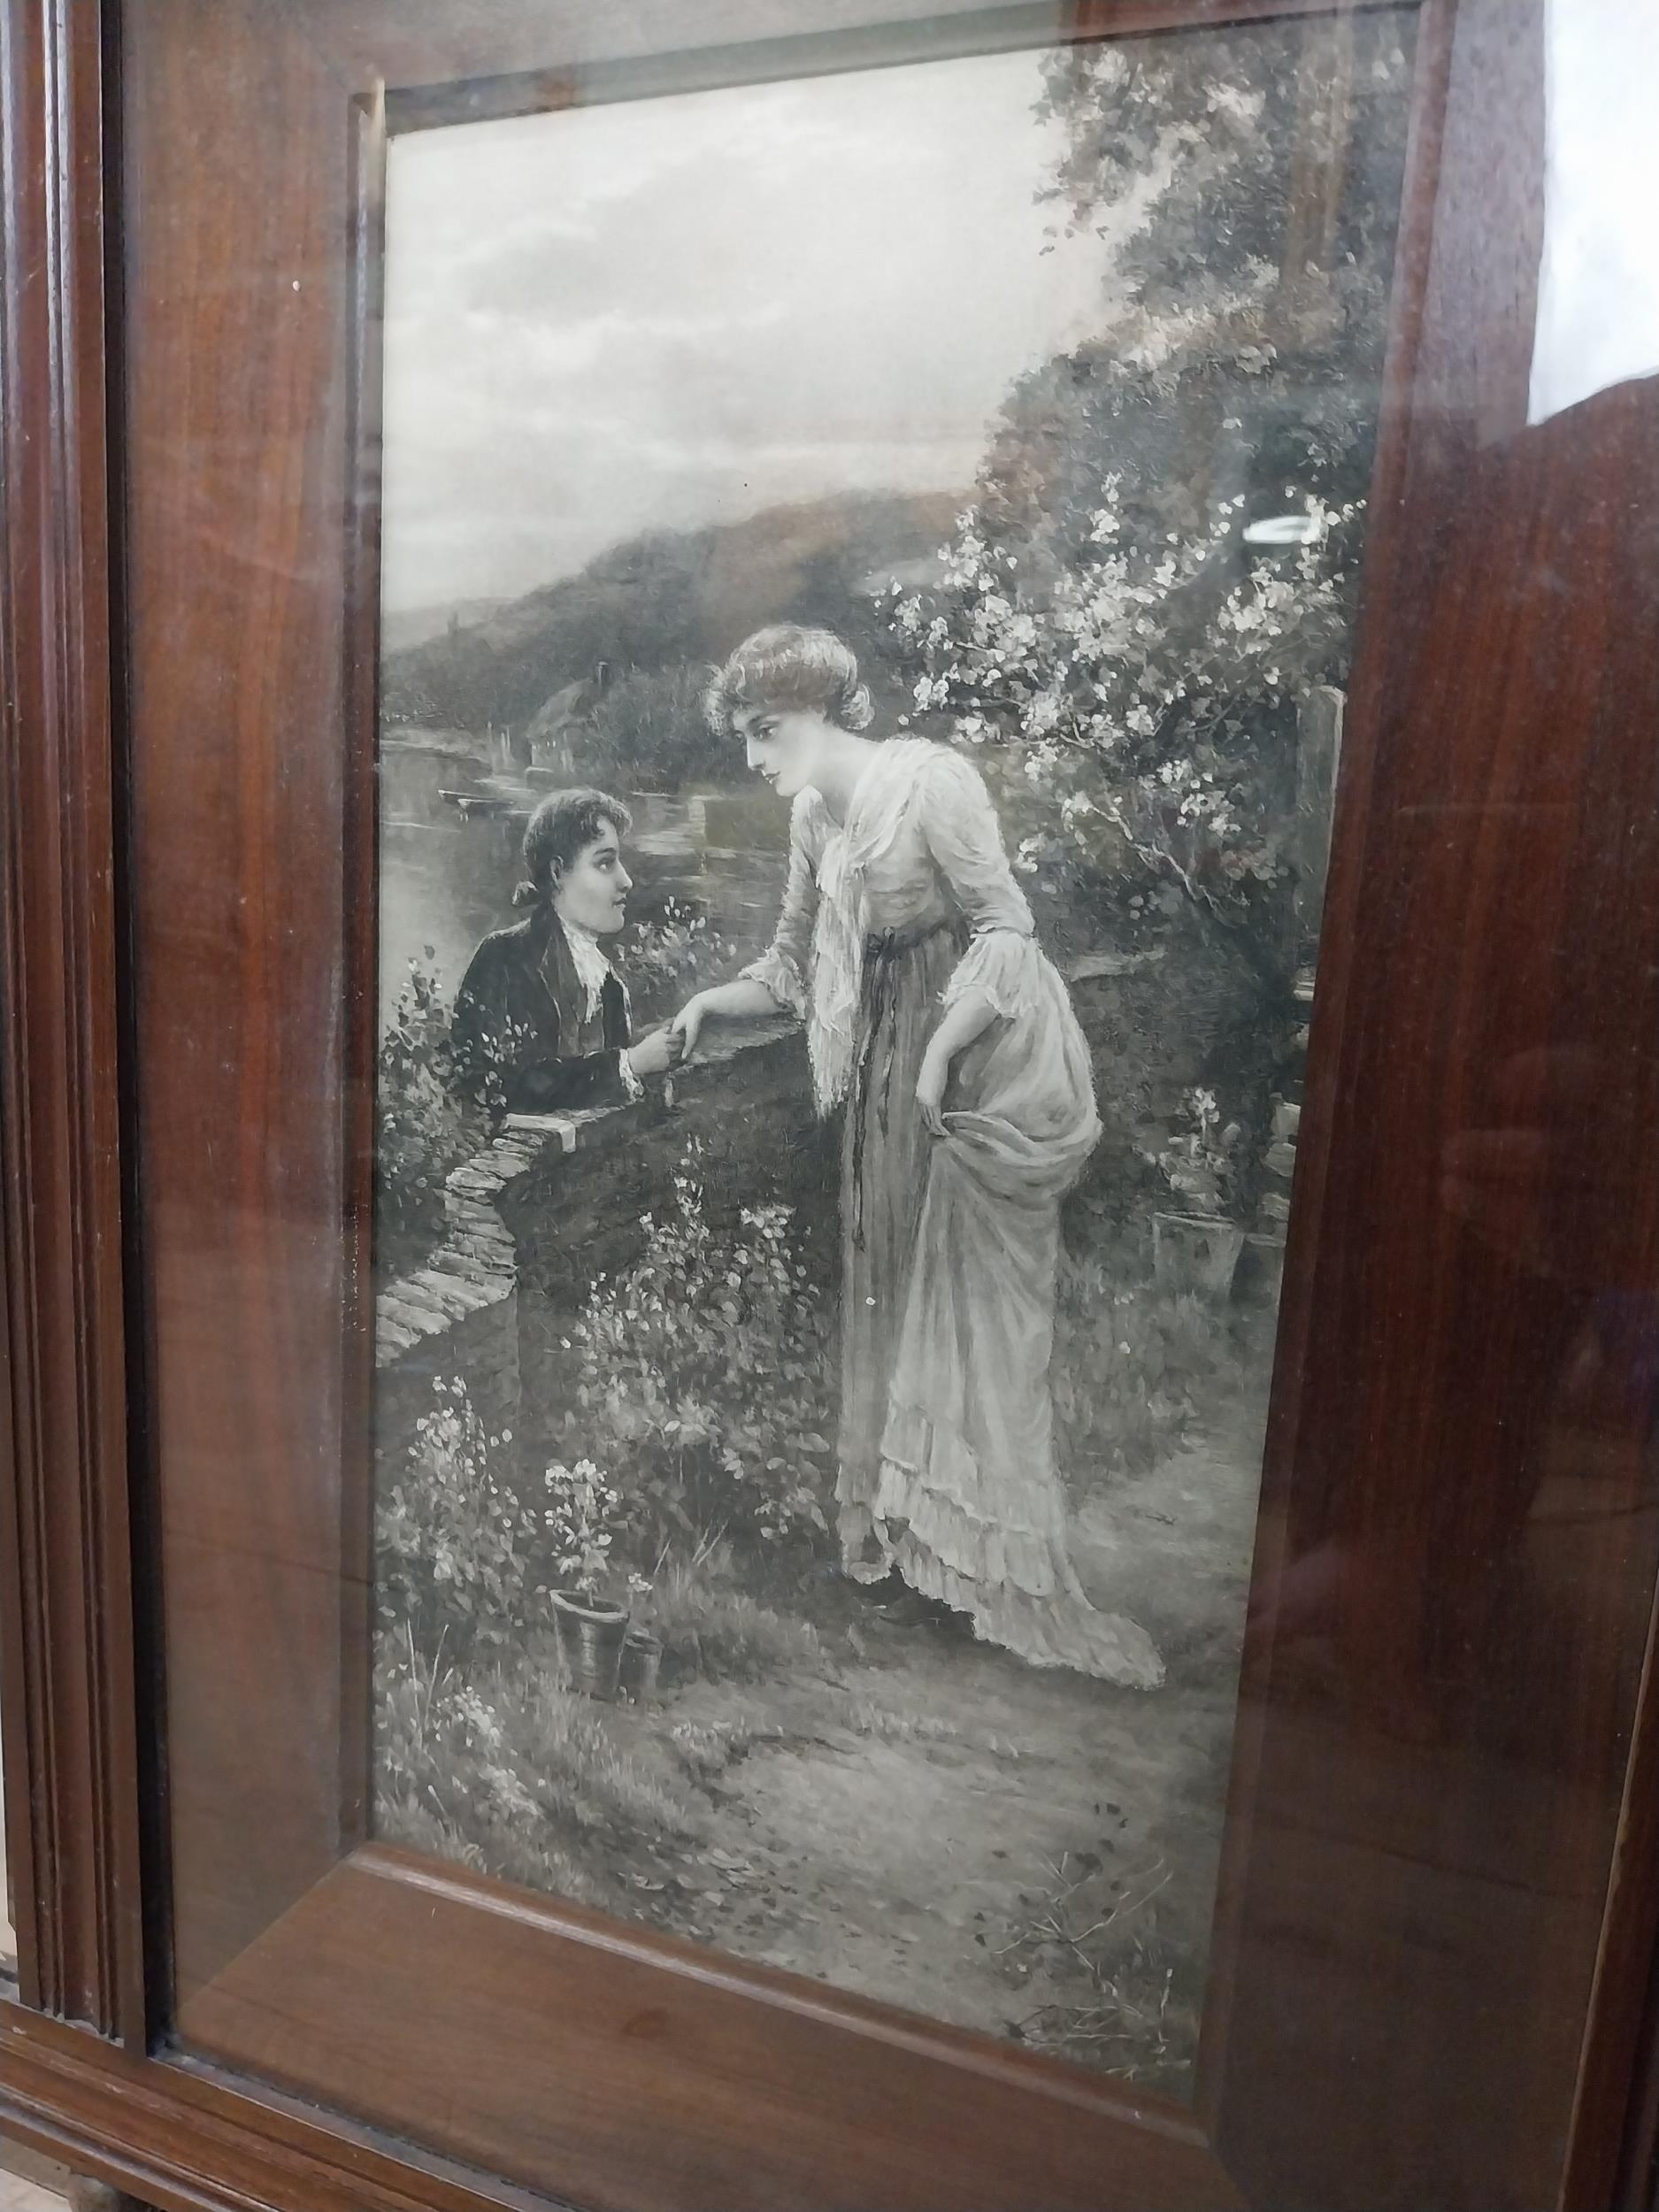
[589,1596]
[1199,1247]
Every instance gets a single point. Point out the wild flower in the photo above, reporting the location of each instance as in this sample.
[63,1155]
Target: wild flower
[1198,1161]
[581,1518]
[703,1369]
[665,960]
[460,1556]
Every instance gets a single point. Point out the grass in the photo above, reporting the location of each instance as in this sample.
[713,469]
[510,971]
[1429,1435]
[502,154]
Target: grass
[512,1773]
[509,1855]
[710,1627]
[1118,2002]
[506,1769]
[1136,1366]
[865,1717]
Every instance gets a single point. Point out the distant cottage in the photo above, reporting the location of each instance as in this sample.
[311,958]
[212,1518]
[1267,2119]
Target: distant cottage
[564,715]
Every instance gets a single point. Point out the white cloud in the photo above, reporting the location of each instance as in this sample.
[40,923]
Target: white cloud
[677,311]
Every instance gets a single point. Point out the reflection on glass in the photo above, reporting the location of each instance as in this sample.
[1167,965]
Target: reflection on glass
[870,565]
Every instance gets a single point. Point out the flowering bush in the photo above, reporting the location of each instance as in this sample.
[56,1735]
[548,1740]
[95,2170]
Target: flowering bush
[457,1550]
[1141,693]
[1131,663]
[703,1369]
[667,960]
[422,1129]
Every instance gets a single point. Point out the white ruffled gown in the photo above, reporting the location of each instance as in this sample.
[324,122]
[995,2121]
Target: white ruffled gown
[950,1245]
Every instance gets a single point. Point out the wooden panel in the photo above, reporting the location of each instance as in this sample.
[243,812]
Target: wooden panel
[645,2075]
[184,2138]
[1452,1622]
[65,1606]
[237,285]
[409,43]
[1615,2152]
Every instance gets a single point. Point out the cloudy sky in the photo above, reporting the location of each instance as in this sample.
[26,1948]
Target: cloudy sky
[680,311]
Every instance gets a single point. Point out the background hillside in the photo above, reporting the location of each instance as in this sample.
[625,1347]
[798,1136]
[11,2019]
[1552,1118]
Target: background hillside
[405,627]
[651,614]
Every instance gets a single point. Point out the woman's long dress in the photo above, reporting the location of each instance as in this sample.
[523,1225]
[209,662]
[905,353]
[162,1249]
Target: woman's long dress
[950,1244]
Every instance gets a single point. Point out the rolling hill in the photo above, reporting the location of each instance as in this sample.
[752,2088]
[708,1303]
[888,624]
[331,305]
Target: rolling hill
[660,602]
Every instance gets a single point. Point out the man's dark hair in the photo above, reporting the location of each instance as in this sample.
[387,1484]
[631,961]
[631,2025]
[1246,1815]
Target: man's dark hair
[563,823]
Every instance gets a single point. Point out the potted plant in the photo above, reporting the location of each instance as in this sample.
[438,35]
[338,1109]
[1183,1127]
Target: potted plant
[1198,1248]
[588,1596]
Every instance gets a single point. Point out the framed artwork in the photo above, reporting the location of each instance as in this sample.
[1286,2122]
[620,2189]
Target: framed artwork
[829,1228]
[861,684]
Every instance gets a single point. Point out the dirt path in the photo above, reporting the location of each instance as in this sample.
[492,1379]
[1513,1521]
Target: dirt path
[1172,1547]
[901,1812]
[930,1822]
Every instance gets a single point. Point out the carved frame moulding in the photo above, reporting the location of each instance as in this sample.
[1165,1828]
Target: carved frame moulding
[1431,1981]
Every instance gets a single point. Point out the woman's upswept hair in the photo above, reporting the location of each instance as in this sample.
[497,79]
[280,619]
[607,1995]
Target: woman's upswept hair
[562,824]
[786,666]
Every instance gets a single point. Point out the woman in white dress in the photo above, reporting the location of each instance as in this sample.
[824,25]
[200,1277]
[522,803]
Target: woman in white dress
[908,948]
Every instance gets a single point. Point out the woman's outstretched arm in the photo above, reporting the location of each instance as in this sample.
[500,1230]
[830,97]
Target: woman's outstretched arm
[744,999]
[775,983]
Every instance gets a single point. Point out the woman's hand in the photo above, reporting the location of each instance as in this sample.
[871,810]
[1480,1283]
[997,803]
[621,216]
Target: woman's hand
[963,1019]
[656,1052]
[687,1026]
[930,1090]
[742,1000]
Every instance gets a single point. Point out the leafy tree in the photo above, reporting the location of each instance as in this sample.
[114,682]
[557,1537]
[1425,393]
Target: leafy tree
[1132,664]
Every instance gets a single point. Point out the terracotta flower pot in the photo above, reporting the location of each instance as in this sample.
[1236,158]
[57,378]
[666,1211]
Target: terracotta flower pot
[590,1634]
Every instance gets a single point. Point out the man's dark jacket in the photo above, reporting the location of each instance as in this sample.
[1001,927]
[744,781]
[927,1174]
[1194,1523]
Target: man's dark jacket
[519,1034]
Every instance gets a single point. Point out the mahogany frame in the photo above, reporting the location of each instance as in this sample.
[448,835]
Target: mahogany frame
[1434,1957]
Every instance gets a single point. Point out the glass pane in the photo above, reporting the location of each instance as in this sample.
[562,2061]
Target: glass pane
[870,570]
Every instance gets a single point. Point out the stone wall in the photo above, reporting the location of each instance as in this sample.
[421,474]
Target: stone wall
[556,1201]
[458,1315]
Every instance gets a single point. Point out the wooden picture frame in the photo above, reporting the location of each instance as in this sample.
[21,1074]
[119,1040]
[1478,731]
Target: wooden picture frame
[1431,1980]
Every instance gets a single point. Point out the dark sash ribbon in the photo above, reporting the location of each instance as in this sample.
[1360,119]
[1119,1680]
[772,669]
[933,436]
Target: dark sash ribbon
[884,949]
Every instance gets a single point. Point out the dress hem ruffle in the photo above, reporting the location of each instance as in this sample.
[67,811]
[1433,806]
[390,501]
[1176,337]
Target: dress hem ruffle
[1044,1632]
[1015,1583]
